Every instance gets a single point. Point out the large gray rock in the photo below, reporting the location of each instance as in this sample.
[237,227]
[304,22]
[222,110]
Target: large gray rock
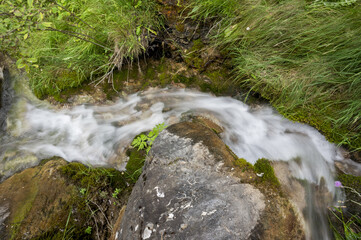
[187,192]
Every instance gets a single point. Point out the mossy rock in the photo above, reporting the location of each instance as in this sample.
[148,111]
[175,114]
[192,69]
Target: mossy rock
[264,166]
[60,200]
[135,163]
[243,164]
[86,176]
[188,81]
[353,200]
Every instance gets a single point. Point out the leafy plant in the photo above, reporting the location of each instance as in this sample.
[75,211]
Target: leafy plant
[347,225]
[74,40]
[82,191]
[146,141]
[88,230]
[116,192]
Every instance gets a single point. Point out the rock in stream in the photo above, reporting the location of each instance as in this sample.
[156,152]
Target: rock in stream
[187,191]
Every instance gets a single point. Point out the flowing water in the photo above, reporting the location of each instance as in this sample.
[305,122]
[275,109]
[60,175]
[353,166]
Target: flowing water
[98,135]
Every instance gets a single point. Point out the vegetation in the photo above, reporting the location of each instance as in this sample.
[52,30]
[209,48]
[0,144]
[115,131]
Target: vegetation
[243,164]
[346,222]
[264,167]
[63,43]
[303,56]
[98,188]
[146,141]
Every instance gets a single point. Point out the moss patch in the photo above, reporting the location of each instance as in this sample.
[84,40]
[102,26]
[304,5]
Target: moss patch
[193,56]
[243,164]
[135,163]
[60,200]
[264,166]
[353,200]
[86,177]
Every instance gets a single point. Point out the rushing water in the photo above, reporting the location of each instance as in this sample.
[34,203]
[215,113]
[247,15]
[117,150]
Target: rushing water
[98,135]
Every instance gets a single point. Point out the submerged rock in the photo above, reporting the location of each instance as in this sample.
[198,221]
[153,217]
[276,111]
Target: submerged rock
[189,189]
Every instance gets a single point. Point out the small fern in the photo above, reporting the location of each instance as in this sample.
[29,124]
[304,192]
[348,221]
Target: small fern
[146,141]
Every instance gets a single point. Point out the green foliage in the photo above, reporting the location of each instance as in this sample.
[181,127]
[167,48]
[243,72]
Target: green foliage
[116,192]
[348,223]
[82,191]
[243,164]
[97,187]
[351,226]
[145,141]
[63,43]
[88,230]
[135,163]
[303,56]
[142,145]
[263,166]
[93,179]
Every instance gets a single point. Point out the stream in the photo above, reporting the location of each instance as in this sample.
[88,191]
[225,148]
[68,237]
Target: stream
[99,135]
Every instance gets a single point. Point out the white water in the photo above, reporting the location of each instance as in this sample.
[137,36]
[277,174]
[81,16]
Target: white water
[96,134]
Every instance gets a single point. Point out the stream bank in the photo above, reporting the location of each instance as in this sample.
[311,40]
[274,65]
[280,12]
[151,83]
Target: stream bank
[184,62]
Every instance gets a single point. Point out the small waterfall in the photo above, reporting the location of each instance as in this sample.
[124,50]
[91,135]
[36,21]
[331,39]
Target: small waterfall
[99,134]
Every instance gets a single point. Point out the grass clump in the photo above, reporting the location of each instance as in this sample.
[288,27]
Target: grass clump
[76,40]
[304,57]
[263,166]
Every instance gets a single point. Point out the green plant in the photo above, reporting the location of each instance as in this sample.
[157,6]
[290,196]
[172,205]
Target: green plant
[116,192]
[146,141]
[346,228]
[301,56]
[88,230]
[64,43]
[264,167]
[82,191]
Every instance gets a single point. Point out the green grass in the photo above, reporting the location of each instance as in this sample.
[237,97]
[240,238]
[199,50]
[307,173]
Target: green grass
[82,39]
[304,57]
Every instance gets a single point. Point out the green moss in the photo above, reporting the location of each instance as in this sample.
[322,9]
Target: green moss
[63,95]
[188,81]
[351,181]
[193,57]
[74,232]
[264,166]
[232,153]
[149,73]
[135,163]
[86,177]
[243,164]
[145,85]
[164,79]
[22,211]
[180,27]
[353,199]
[59,98]
[95,184]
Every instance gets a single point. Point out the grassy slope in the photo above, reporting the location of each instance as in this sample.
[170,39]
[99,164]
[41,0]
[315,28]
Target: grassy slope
[305,58]
[81,38]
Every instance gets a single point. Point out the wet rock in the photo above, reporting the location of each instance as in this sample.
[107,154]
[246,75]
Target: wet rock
[189,191]
[60,200]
